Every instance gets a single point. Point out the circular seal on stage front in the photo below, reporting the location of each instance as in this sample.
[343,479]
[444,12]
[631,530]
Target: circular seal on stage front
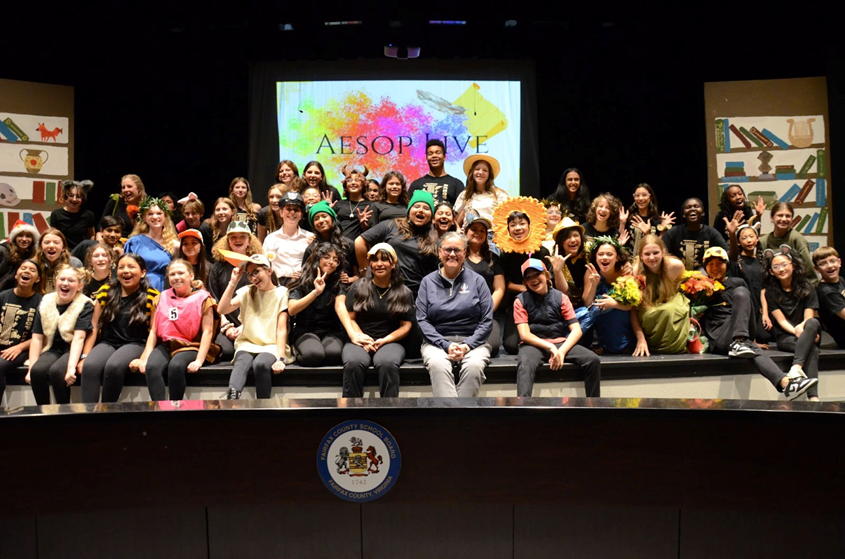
[358,460]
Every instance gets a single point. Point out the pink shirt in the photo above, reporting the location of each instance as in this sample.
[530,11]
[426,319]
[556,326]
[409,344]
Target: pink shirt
[179,318]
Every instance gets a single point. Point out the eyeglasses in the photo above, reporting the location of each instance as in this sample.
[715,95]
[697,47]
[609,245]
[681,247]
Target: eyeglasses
[452,250]
[334,259]
[779,267]
[254,274]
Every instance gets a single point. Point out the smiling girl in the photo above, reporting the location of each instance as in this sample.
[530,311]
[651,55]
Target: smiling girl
[377,314]
[192,250]
[783,215]
[61,324]
[98,261]
[793,303]
[22,243]
[122,313]
[613,322]
[260,346]
[132,193]
[246,210]
[287,174]
[215,226]
[270,216]
[572,194]
[182,334]
[481,195]
[354,214]
[661,322]
[315,177]
[317,334]
[154,239]
[51,254]
[323,221]
[394,198]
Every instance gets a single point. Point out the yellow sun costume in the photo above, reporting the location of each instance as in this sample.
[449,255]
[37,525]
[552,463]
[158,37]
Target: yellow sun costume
[536,213]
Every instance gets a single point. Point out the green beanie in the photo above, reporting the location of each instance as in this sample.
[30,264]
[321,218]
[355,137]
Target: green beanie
[421,196]
[321,207]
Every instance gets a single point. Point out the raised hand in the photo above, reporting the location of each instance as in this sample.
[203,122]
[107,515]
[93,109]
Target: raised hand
[236,275]
[623,216]
[624,237]
[320,282]
[760,206]
[364,216]
[556,261]
[328,196]
[644,225]
[592,276]
[667,220]
[732,225]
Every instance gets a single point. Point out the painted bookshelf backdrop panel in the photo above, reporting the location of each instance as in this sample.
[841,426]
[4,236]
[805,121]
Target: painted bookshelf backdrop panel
[782,159]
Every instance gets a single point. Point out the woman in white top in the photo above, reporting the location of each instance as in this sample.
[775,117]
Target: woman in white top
[481,195]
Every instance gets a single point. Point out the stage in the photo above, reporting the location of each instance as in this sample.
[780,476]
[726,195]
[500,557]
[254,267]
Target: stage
[492,477]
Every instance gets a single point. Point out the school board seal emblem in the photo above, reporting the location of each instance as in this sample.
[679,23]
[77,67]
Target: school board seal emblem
[359,461]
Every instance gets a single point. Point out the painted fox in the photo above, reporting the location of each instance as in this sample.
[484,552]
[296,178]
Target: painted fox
[47,134]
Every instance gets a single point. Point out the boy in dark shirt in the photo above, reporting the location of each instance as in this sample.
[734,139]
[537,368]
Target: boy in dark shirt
[689,240]
[444,187]
[831,292]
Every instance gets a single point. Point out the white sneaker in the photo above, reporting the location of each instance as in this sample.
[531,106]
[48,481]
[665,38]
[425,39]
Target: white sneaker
[796,372]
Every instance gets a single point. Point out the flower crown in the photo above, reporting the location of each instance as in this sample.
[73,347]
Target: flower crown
[148,203]
[607,240]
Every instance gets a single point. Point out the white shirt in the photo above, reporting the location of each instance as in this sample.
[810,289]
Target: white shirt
[482,205]
[288,250]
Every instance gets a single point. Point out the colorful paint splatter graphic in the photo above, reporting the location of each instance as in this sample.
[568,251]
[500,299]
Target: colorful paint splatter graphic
[384,136]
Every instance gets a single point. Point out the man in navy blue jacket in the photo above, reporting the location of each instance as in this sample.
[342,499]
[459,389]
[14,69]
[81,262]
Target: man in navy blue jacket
[455,314]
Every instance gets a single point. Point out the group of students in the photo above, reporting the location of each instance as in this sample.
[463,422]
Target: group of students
[434,269]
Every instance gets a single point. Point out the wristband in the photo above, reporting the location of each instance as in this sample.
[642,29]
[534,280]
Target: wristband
[83,356]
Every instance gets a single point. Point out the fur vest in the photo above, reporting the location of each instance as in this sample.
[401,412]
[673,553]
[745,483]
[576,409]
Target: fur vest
[51,320]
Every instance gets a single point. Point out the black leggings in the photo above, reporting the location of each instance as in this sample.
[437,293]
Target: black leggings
[111,363]
[176,367]
[261,364]
[805,350]
[316,351]
[50,370]
[6,366]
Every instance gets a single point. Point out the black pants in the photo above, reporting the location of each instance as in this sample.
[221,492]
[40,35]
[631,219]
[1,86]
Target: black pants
[227,347]
[511,339]
[386,361]
[531,357]
[50,370]
[176,368]
[317,350]
[742,324]
[805,350]
[261,364]
[109,363]
[7,366]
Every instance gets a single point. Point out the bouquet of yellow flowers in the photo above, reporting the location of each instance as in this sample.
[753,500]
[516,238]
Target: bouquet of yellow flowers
[627,290]
[698,288]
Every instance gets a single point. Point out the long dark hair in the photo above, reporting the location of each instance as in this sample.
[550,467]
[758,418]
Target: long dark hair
[324,185]
[312,264]
[202,263]
[578,207]
[137,301]
[382,188]
[398,300]
[652,202]
[801,286]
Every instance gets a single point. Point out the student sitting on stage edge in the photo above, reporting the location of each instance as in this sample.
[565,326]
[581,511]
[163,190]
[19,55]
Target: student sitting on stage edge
[549,330]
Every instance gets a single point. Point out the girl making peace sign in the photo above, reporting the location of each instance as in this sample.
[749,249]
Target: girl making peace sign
[317,334]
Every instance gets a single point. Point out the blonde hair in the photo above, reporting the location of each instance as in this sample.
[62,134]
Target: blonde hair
[659,288]
[168,230]
[250,212]
[142,191]
[81,273]
[253,247]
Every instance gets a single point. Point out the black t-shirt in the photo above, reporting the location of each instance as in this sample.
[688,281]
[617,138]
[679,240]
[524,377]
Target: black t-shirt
[218,280]
[791,307]
[94,285]
[75,226]
[831,301]
[413,265]
[376,321]
[242,215]
[690,246]
[442,188]
[83,322]
[119,332]
[347,217]
[485,270]
[382,211]
[317,317]
[18,316]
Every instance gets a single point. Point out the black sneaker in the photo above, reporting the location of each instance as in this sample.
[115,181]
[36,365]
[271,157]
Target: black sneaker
[741,349]
[233,394]
[798,386]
